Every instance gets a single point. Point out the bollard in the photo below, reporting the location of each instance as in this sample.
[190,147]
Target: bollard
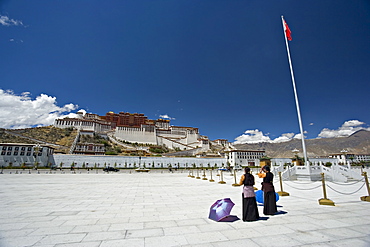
[222,178]
[325,201]
[235,184]
[197,174]
[189,175]
[211,180]
[204,175]
[192,174]
[366,198]
[282,192]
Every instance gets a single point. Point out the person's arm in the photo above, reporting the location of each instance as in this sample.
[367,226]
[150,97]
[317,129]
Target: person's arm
[261,175]
[241,182]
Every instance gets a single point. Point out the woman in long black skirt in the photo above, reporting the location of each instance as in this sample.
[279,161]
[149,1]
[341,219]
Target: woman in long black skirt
[269,200]
[250,210]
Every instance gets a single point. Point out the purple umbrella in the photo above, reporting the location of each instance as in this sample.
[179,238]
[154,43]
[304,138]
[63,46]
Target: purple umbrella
[221,209]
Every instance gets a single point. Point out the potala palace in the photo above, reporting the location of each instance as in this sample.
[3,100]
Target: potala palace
[137,128]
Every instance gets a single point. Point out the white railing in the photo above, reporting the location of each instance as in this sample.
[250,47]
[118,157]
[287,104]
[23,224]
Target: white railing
[308,172]
[73,146]
[333,175]
[289,173]
[348,172]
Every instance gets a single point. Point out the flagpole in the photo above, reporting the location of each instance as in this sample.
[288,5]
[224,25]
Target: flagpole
[295,94]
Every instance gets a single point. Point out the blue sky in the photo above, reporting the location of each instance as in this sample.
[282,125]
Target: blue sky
[220,66]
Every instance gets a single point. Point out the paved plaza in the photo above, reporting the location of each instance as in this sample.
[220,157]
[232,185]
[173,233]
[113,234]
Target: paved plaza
[170,209]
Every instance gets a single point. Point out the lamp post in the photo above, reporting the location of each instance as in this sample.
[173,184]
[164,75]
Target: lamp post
[344,154]
[296,151]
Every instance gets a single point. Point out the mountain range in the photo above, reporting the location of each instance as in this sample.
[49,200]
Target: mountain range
[357,143]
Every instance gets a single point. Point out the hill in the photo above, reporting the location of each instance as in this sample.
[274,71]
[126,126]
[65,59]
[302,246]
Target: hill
[358,143]
[61,139]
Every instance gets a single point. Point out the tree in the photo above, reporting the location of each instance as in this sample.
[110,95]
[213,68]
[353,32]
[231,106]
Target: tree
[328,164]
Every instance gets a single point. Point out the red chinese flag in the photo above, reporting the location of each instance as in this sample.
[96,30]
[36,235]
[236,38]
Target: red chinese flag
[288,33]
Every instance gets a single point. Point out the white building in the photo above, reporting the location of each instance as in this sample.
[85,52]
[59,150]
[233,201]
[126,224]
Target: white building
[89,148]
[223,142]
[237,158]
[173,136]
[345,157]
[26,155]
[87,122]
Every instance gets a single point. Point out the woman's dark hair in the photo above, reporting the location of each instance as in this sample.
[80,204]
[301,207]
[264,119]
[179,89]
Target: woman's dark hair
[267,168]
[248,177]
[247,170]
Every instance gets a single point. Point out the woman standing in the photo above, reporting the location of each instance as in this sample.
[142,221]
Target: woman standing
[269,200]
[250,210]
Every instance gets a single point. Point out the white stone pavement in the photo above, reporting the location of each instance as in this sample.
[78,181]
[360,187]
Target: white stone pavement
[169,209]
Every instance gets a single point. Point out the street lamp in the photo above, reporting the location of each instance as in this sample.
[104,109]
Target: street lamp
[344,152]
[296,151]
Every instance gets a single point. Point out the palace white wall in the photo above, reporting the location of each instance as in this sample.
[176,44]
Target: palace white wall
[139,135]
[120,161]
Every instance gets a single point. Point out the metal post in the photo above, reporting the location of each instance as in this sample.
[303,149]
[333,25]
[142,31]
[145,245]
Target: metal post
[197,174]
[235,184]
[325,201]
[222,178]
[295,94]
[211,180]
[204,175]
[282,192]
[366,198]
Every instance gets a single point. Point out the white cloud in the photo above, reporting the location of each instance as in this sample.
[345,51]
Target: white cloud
[257,136]
[252,136]
[298,136]
[284,138]
[166,117]
[352,123]
[347,129]
[6,21]
[21,111]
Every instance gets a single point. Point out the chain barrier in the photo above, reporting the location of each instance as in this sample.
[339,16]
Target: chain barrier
[344,193]
[303,189]
[356,182]
[296,182]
